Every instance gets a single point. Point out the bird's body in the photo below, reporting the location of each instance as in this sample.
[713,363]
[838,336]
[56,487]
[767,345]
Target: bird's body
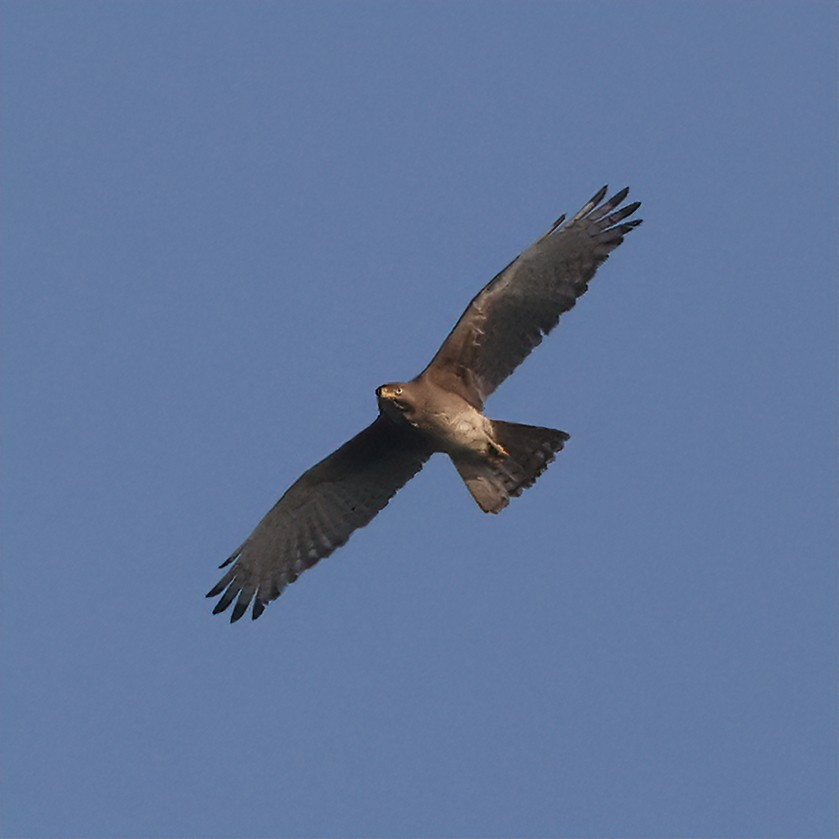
[445,419]
[441,410]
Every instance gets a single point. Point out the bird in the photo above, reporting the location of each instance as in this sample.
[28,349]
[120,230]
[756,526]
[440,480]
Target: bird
[440,410]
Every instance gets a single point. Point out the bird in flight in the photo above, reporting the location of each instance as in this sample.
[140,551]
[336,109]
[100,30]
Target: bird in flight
[441,410]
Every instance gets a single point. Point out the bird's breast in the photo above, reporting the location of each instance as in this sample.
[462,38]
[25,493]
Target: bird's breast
[453,431]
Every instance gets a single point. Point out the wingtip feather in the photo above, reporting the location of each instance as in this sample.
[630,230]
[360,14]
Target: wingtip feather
[220,607]
[620,195]
[235,555]
[591,203]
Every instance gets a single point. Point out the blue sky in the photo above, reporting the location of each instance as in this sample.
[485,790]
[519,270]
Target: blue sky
[223,225]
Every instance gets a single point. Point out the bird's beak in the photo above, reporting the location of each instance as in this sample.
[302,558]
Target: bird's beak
[385,393]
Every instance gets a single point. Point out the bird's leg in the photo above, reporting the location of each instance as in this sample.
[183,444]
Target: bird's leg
[498,448]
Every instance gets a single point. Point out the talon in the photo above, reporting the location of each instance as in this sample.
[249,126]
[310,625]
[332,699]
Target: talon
[499,449]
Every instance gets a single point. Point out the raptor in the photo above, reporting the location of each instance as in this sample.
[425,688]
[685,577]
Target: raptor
[440,410]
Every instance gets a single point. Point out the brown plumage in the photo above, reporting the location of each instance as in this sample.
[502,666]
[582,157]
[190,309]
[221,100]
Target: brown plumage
[441,410]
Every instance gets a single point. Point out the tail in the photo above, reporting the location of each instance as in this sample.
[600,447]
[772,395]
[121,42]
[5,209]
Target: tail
[495,478]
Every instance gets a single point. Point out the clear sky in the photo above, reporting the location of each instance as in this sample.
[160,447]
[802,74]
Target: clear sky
[223,225]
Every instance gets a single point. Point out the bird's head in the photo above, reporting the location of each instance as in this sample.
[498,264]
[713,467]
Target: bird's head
[396,401]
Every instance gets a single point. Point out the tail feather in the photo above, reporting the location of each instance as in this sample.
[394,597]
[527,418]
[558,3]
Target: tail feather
[496,478]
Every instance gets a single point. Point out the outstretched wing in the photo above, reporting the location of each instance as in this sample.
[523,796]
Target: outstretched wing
[511,315]
[319,513]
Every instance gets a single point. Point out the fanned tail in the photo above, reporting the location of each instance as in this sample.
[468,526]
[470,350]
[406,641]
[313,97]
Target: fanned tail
[496,478]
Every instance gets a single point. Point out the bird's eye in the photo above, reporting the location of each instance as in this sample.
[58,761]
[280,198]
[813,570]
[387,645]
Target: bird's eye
[397,391]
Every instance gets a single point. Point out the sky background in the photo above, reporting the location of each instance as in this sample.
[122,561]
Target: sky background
[223,225]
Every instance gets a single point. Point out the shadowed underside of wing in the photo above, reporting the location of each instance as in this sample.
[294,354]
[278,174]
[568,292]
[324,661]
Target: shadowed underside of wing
[510,316]
[319,513]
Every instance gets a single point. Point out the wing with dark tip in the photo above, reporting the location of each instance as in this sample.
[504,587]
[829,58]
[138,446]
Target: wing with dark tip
[319,513]
[511,315]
